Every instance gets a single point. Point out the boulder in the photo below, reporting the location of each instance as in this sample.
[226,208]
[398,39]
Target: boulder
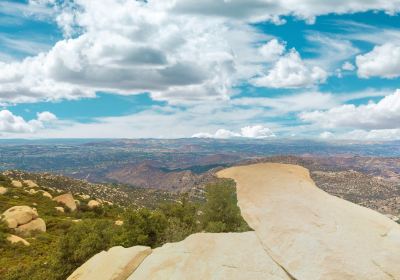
[60,209]
[119,222]
[30,184]
[47,194]
[19,215]
[16,183]
[84,196]
[36,225]
[93,203]
[16,239]
[66,199]
[32,191]
[124,262]
[3,190]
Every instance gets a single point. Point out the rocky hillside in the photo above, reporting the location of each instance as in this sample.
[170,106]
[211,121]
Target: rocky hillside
[300,232]
[148,176]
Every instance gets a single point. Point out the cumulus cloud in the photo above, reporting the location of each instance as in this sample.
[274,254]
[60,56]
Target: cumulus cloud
[10,123]
[382,61]
[160,47]
[255,132]
[290,71]
[384,114]
[347,66]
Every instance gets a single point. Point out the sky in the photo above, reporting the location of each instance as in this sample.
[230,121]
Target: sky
[296,69]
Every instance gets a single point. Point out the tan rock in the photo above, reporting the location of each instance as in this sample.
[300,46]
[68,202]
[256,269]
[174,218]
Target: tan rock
[36,225]
[16,183]
[119,222]
[16,239]
[32,191]
[93,203]
[59,209]
[19,215]
[3,190]
[30,184]
[66,199]
[47,194]
[84,196]
[124,261]
[230,256]
[310,233]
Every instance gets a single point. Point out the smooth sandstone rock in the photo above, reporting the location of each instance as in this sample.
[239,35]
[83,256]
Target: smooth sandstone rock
[19,215]
[68,200]
[220,256]
[310,233]
[36,225]
[115,264]
[13,239]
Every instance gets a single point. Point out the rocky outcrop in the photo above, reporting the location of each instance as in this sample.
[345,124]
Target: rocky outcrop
[13,239]
[124,261]
[16,184]
[36,225]
[19,215]
[30,184]
[24,220]
[60,209]
[66,199]
[211,256]
[300,232]
[310,233]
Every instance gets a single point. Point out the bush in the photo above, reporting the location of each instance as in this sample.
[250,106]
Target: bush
[221,213]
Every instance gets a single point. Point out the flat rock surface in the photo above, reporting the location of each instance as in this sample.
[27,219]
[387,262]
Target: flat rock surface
[211,256]
[115,264]
[310,233]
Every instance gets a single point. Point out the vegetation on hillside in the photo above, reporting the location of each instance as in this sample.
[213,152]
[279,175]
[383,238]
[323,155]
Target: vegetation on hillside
[73,237]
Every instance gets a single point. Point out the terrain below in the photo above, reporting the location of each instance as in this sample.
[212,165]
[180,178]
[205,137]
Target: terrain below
[300,232]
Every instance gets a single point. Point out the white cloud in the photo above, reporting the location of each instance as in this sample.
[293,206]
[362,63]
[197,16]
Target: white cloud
[272,50]
[10,123]
[382,61]
[256,132]
[290,71]
[326,135]
[384,114]
[348,66]
[374,134]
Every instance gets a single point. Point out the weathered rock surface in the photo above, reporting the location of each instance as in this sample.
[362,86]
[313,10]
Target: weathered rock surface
[115,264]
[19,215]
[59,209]
[66,199]
[211,256]
[13,239]
[310,233]
[36,225]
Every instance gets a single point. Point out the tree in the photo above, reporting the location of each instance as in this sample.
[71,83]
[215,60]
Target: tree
[221,213]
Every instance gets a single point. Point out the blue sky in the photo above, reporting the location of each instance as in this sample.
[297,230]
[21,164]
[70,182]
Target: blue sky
[169,69]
